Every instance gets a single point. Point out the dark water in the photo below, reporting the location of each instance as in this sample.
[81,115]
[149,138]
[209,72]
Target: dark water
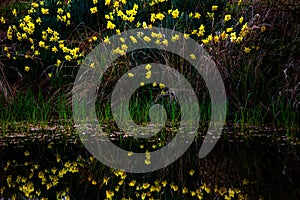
[273,168]
[259,167]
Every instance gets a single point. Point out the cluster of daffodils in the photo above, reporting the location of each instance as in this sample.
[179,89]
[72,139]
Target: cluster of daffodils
[34,31]
[29,32]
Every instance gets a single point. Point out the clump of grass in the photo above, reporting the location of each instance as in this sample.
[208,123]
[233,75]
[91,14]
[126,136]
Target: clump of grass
[32,108]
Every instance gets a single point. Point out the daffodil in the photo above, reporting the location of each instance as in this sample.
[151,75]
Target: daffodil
[42,44]
[193,57]
[186,36]
[152,17]
[106,40]
[133,39]
[54,49]
[14,12]
[165,42]
[124,47]
[110,25]
[263,28]
[36,53]
[241,20]
[138,24]
[107,2]
[45,11]
[34,5]
[228,30]
[147,39]
[224,35]
[247,49]
[233,37]
[216,38]
[38,21]
[92,65]
[148,67]
[205,41]
[94,10]
[158,42]
[227,18]
[160,16]
[130,75]
[116,4]
[122,39]
[175,13]
[175,37]
[68,57]
[197,15]
[147,161]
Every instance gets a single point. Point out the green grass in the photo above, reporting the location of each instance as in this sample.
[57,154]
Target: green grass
[29,108]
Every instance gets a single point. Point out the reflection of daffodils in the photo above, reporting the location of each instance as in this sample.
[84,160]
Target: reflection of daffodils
[148,75]
[109,194]
[132,183]
[27,188]
[50,179]
[164,183]
[26,153]
[205,188]
[130,75]
[191,173]
[105,180]
[193,57]
[174,187]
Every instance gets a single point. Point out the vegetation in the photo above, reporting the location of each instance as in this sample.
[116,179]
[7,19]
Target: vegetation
[255,45]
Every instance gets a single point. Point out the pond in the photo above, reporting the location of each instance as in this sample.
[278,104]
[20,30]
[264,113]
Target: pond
[51,162]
